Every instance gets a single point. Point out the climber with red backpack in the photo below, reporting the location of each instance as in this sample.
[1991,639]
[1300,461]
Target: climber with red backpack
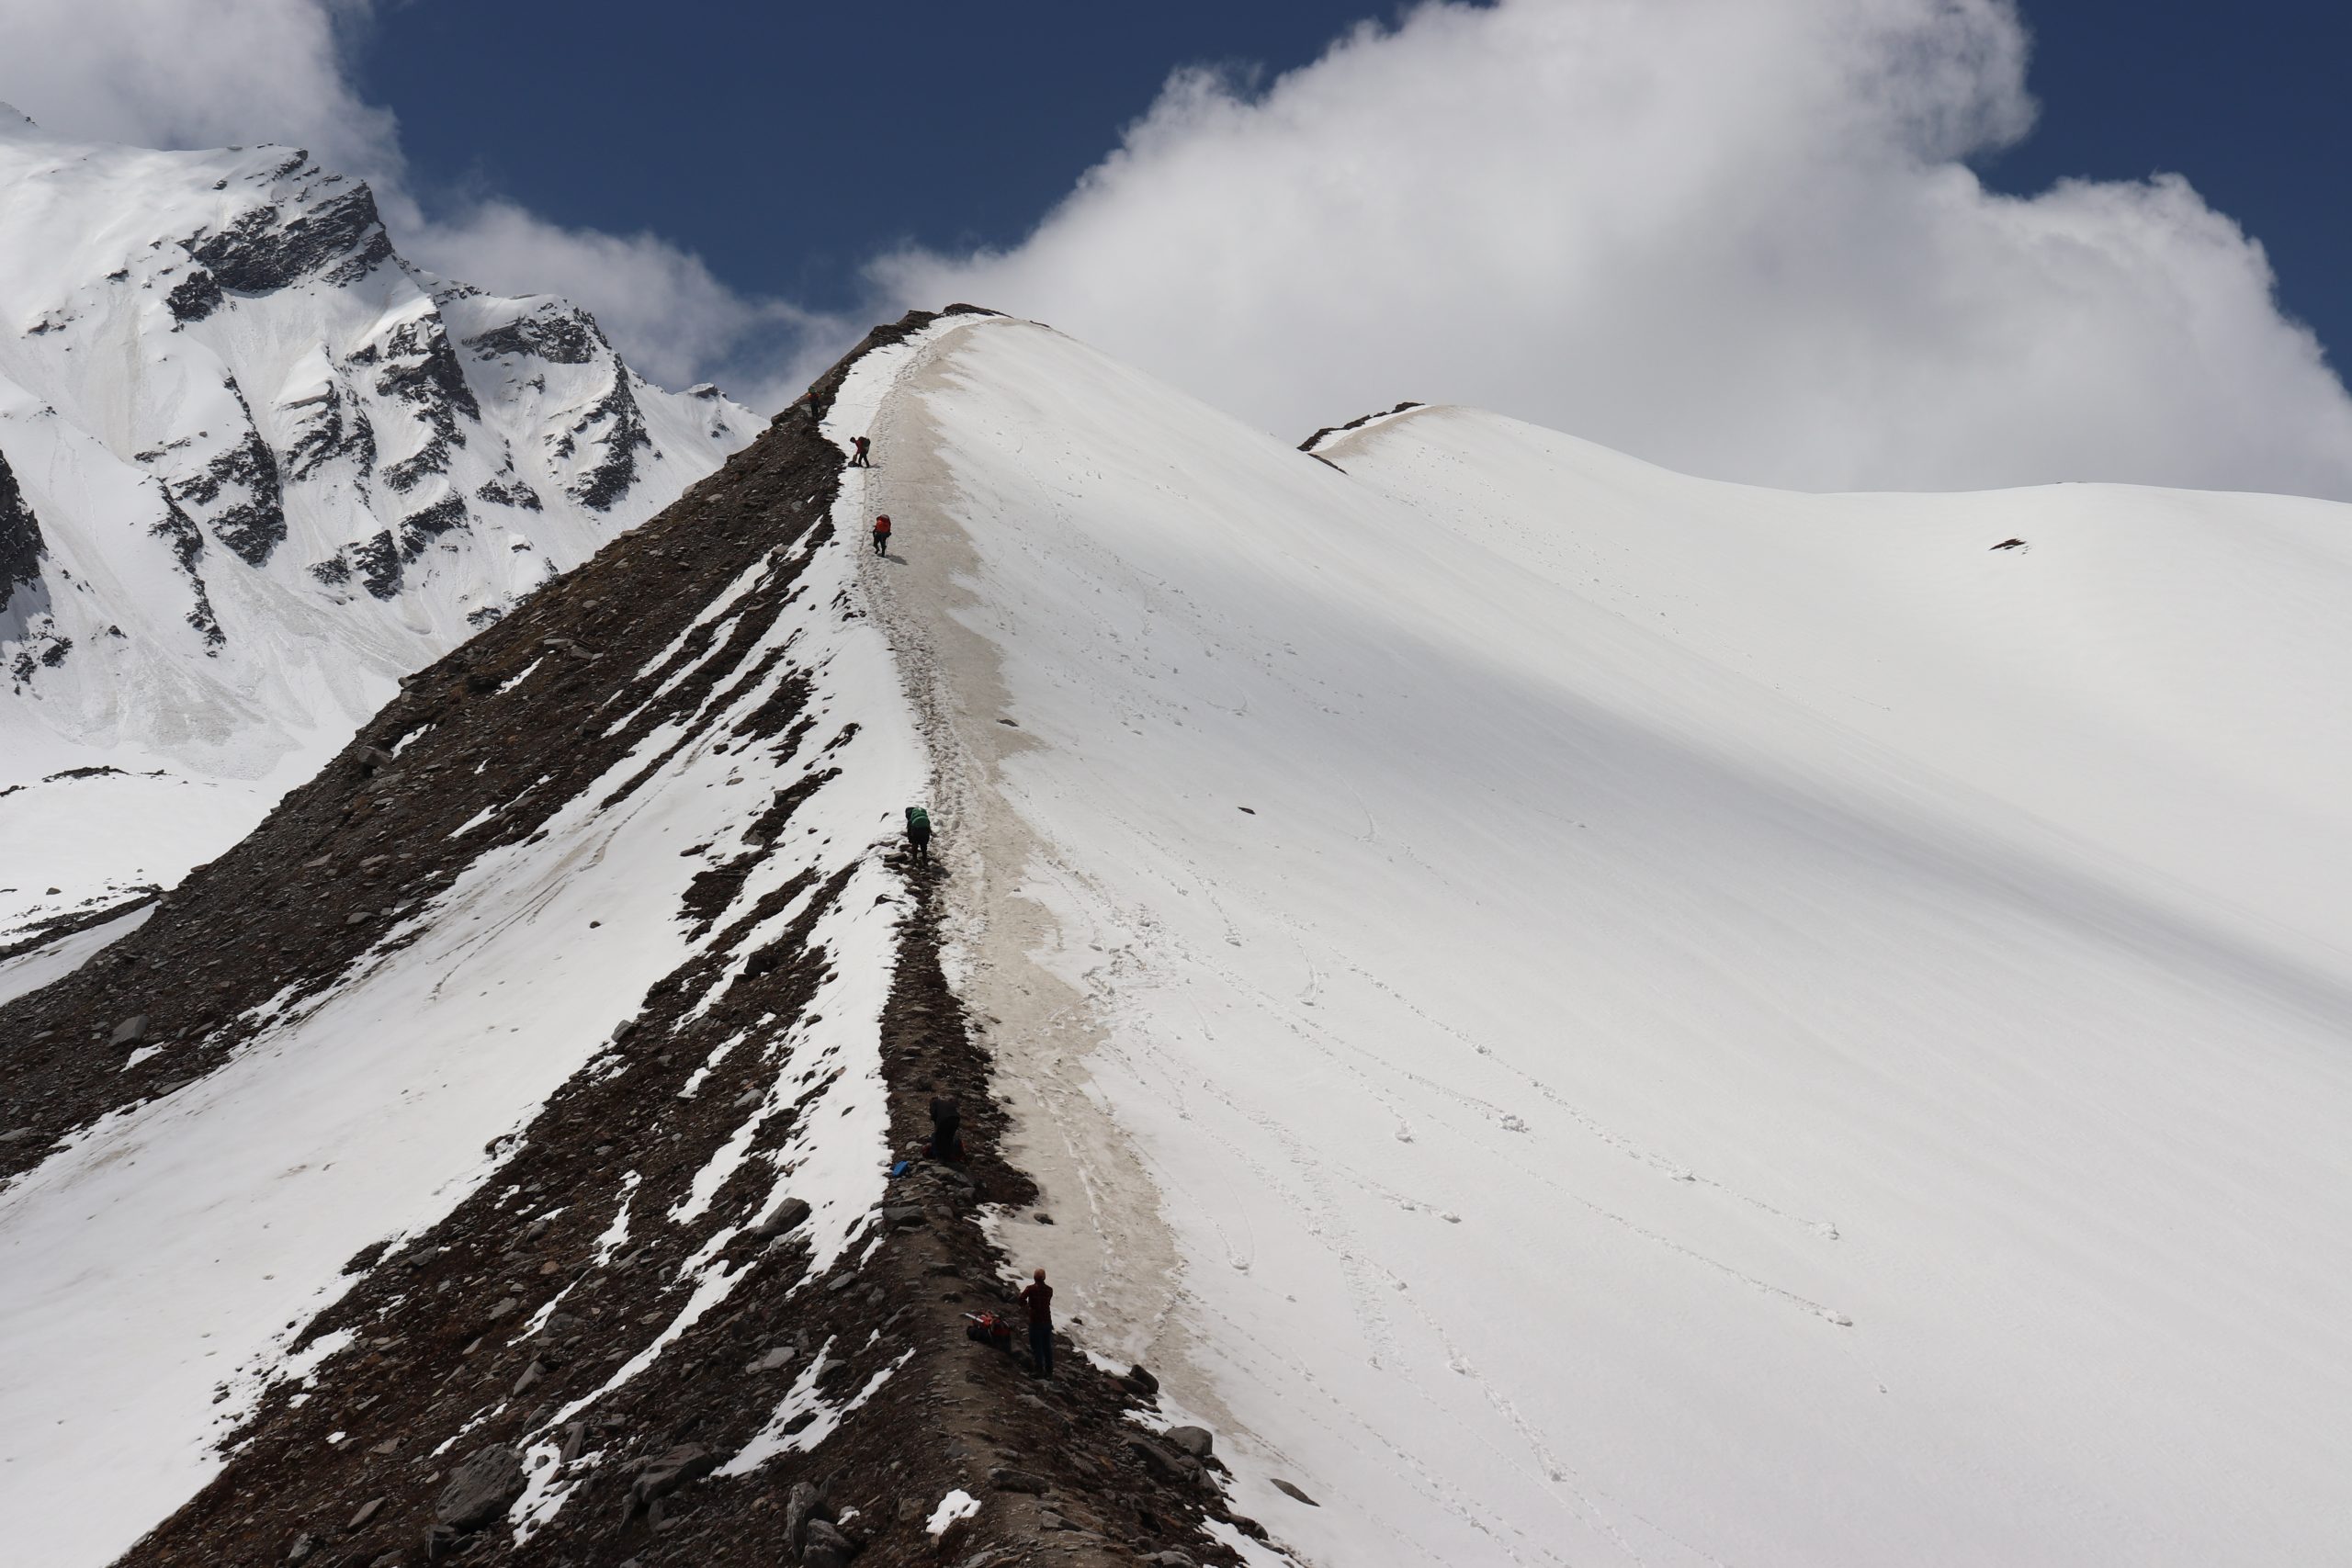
[882,534]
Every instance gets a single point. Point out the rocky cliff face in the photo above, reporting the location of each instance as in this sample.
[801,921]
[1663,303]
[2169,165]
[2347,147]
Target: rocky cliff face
[275,465]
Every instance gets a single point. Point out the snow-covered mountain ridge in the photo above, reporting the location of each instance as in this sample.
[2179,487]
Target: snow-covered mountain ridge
[253,469]
[1570,1014]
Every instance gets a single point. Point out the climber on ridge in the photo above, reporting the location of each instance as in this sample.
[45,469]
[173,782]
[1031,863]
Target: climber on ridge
[919,834]
[947,1130]
[860,458]
[1039,1299]
[882,534]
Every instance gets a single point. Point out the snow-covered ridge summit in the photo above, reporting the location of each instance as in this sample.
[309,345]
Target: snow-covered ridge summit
[254,466]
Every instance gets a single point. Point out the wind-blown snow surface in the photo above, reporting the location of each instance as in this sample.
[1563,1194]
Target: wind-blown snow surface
[253,469]
[1735,1028]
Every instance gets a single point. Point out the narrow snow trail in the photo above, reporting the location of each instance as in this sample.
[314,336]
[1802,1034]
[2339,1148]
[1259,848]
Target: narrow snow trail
[1611,1092]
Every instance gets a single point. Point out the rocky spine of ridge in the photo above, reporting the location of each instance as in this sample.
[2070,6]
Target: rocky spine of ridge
[1312,442]
[407,1444]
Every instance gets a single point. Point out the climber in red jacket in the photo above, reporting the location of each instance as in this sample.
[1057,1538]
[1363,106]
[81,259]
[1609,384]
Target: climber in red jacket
[882,534]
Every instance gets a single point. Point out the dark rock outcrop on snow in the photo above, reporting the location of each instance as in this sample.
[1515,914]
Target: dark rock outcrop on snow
[21,547]
[615,426]
[195,297]
[328,426]
[335,240]
[558,335]
[415,364]
[186,541]
[252,521]
[1312,442]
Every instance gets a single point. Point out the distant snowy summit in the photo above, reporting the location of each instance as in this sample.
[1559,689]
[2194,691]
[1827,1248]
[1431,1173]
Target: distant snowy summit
[254,466]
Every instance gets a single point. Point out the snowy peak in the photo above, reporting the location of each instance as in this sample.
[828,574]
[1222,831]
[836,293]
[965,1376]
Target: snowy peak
[259,465]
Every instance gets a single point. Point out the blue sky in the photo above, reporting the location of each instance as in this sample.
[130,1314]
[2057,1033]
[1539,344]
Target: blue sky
[1817,244]
[787,143]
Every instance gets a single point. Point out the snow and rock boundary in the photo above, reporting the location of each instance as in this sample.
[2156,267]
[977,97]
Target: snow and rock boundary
[679,1255]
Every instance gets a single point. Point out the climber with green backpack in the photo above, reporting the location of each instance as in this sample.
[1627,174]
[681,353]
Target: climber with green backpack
[919,834]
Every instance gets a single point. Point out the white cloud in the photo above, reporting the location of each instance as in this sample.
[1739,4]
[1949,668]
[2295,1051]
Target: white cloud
[1734,236]
[170,74]
[673,320]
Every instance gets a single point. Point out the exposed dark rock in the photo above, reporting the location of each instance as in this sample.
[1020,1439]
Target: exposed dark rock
[616,423]
[187,547]
[328,426]
[378,561]
[1164,1463]
[337,241]
[1194,1441]
[21,546]
[827,1546]
[251,528]
[1290,1490]
[195,297]
[420,527]
[803,1505]
[431,458]
[788,1214]
[678,1467]
[480,1488]
[1312,442]
[513,494]
[556,334]
[420,369]
[1144,1384]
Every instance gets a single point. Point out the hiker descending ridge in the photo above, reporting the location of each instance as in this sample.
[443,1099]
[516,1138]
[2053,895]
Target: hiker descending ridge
[860,458]
[882,534]
[919,834]
[946,1144]
[1039,1299]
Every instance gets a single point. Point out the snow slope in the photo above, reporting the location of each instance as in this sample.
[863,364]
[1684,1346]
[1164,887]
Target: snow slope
[1661,1022]
[255,467]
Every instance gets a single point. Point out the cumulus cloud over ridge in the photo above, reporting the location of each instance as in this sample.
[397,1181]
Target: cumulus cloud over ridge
[1737,237]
